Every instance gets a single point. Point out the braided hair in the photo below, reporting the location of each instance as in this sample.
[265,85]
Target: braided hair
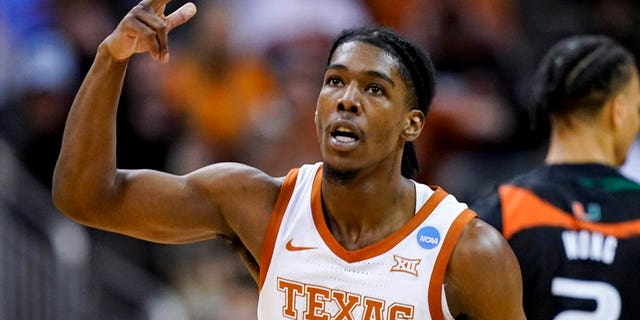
[415,68]
[579,74]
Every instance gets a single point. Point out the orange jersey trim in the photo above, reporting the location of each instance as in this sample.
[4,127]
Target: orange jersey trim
[440,267]
[522,209]
[286,191]
[375,249]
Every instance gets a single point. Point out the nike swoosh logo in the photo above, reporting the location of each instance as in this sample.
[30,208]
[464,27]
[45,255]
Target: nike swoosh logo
[291,247]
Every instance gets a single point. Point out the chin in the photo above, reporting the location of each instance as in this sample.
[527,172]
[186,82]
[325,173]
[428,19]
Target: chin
[339,174]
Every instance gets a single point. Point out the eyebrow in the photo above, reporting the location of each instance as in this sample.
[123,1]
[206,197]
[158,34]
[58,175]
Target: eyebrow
[372,73]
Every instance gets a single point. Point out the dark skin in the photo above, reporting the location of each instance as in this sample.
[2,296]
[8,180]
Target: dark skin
[362,92]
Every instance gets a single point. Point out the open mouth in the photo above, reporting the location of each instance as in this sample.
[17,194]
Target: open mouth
[344,135]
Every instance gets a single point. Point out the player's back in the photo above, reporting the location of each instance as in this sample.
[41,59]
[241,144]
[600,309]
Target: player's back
[576,232]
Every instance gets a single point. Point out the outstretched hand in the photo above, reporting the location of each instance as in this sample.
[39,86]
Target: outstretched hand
[146,28]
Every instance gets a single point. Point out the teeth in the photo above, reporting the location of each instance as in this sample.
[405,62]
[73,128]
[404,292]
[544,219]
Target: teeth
[345,139]
[343,129]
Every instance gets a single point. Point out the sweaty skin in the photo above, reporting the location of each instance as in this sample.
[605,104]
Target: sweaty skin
[362,91]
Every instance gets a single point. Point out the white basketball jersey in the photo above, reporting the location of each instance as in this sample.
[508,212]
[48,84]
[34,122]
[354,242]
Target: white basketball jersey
[306,274]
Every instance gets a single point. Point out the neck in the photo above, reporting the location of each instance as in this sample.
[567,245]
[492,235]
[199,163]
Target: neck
[364,207]
[581,144]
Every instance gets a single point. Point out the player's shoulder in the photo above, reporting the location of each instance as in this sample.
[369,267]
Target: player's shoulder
[237,177]
[231,177]
[481,262]
[479,239]
[482,246]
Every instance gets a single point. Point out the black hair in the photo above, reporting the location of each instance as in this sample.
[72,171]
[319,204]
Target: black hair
[415,68]
[580,73]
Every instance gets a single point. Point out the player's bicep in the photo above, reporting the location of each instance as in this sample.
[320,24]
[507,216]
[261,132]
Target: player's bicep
[162,207]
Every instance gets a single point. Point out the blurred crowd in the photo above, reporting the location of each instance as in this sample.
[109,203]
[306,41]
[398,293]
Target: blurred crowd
[241,86]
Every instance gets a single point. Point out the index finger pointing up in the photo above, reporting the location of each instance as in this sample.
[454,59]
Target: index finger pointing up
[180,16]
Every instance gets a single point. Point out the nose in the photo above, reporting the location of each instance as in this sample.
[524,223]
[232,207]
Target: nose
[350,100]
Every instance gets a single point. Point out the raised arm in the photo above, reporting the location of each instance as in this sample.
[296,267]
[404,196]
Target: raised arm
[229,200]
[483,279]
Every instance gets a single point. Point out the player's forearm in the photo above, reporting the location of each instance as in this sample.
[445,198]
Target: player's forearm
[86,166]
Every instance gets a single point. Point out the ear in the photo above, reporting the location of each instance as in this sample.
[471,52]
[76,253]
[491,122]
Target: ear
[618,111]
[413,124]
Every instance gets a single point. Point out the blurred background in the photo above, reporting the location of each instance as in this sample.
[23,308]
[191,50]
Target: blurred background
[241,86]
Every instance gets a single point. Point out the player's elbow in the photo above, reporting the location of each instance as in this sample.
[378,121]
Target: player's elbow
[67,204]
[75,203]
[63,195]
[60,195]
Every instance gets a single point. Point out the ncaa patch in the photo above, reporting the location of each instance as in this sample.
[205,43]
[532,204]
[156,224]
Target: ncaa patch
[428,237]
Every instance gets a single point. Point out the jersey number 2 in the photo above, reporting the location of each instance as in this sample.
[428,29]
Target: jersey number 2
[606,296]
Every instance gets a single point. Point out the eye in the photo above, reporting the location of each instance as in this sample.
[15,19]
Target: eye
[375,89]
[334,81]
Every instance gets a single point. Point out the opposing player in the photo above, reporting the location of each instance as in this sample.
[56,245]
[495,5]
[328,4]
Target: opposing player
[574,223]
[348,238]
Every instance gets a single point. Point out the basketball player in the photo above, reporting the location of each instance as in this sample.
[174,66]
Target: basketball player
[349,238]
[574,223]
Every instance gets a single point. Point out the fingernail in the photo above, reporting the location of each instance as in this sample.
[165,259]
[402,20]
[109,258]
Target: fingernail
[191,9]
[165,58]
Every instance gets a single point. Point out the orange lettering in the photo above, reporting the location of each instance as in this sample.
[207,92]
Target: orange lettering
[290,289]
[399,311]
[320,304]
[316,298]
[373,309]
[346,302]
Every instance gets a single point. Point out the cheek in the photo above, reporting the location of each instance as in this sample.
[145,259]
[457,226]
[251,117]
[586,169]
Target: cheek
[387,127]
[324,103]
